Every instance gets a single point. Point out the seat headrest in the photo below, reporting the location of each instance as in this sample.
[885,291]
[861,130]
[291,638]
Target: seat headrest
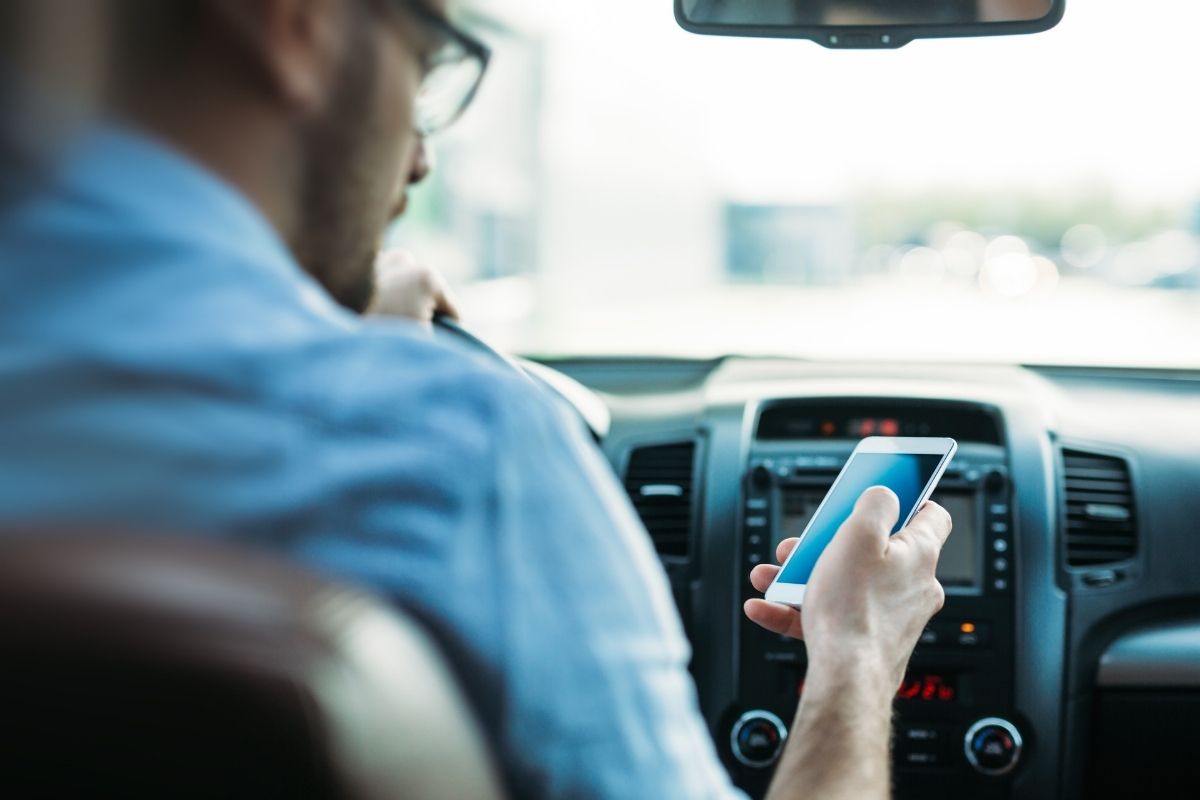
[137,666]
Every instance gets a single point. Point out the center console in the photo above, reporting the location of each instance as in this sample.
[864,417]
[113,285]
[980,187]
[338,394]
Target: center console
[956,731]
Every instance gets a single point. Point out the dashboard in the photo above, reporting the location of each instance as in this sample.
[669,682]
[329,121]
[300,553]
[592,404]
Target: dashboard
[1066,661]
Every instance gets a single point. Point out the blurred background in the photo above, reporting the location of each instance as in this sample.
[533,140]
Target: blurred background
[623,187]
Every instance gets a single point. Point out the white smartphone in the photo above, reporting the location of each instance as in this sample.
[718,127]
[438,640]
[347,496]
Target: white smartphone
[909,466]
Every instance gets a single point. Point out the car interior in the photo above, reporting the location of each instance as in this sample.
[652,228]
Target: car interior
[1066,660]
[765,232]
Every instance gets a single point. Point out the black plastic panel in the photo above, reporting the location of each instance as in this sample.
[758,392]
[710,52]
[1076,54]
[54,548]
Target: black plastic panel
[858,418]
[1144,745]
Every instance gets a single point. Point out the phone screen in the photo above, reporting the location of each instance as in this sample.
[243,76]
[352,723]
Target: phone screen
[906,474]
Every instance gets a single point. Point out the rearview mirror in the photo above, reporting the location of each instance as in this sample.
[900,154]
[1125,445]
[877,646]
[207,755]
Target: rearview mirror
[867,23]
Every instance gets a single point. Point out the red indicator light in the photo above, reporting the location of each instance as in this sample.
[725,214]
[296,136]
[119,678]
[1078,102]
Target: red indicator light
[828,428]
[927,688]
[866,427]
[889,427]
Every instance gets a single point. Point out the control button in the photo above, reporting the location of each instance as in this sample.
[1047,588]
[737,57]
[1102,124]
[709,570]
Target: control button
[993,746]
[1000,564]
[972,634]
[922,758]
[999,509]
[757,738]
[756,503]
[781,656]
[995,481]
[1000,584]
[921,745]
[920,733]
[999,527]
[929,636]
[1000,545]
[755,539]
[756,522]
[754,558]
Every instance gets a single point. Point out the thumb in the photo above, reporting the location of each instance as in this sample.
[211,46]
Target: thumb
[874,516]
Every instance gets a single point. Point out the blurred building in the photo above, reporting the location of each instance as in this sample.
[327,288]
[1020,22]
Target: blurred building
[799,244]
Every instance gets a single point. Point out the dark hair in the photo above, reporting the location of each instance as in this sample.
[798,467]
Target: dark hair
[20,158]
[150,35]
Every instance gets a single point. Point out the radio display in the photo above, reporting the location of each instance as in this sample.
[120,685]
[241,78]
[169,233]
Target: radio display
[958,566]
[923,687]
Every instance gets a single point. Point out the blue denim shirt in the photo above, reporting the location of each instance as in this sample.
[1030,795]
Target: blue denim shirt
[165,363]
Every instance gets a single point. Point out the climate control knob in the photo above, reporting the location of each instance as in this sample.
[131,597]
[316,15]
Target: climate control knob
[760,478]
[757,738]
[993,746]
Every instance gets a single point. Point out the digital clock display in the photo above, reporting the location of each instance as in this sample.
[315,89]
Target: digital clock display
[852,419]
[928,687]
[920,687]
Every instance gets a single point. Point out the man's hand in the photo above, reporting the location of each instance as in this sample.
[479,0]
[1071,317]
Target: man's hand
[870,594]
[407,288]
[869,597]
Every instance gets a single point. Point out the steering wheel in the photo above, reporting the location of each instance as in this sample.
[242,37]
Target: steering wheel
[591,409]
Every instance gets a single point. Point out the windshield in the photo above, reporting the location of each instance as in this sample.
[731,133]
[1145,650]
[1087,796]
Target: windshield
[623,187]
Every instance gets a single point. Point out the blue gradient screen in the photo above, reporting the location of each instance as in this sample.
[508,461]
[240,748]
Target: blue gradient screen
[906,474]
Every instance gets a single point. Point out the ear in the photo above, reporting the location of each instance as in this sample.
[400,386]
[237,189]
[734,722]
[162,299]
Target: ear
[297,44]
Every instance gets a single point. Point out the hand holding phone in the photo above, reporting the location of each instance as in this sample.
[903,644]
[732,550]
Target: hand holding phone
[909,467]
[872,590]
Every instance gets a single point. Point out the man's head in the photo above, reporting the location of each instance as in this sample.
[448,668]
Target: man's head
[308,106]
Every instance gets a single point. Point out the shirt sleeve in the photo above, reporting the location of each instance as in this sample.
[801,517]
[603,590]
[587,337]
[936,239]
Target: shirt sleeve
[602,699]
[485,508]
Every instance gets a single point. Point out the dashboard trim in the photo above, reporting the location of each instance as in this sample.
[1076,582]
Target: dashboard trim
[1164,655]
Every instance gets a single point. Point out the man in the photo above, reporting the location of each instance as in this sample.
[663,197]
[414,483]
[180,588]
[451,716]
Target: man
[167,363]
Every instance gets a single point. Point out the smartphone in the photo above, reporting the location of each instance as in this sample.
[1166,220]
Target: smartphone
[909,466]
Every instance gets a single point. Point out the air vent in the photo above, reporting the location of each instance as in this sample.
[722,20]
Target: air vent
[659,481]
[1101,527]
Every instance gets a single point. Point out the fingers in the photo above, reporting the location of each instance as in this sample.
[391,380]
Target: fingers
[874,516]
[929,528]
[408,288]
[444,302]
[775,617]
[763,575]
[878,506]
[785,548]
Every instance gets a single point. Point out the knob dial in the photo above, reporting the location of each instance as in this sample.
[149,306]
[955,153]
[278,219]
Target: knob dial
[757,738]
[760,478]
[993,746]
[995,481]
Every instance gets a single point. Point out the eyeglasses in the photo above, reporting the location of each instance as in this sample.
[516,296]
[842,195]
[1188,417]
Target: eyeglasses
[454,69]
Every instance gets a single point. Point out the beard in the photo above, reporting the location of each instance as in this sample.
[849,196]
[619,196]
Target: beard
[346,197]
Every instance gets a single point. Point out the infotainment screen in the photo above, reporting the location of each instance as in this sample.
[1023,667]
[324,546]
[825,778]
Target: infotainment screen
[958,566]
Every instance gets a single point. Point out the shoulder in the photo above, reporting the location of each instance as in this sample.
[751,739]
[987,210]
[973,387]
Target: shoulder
[386,378]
